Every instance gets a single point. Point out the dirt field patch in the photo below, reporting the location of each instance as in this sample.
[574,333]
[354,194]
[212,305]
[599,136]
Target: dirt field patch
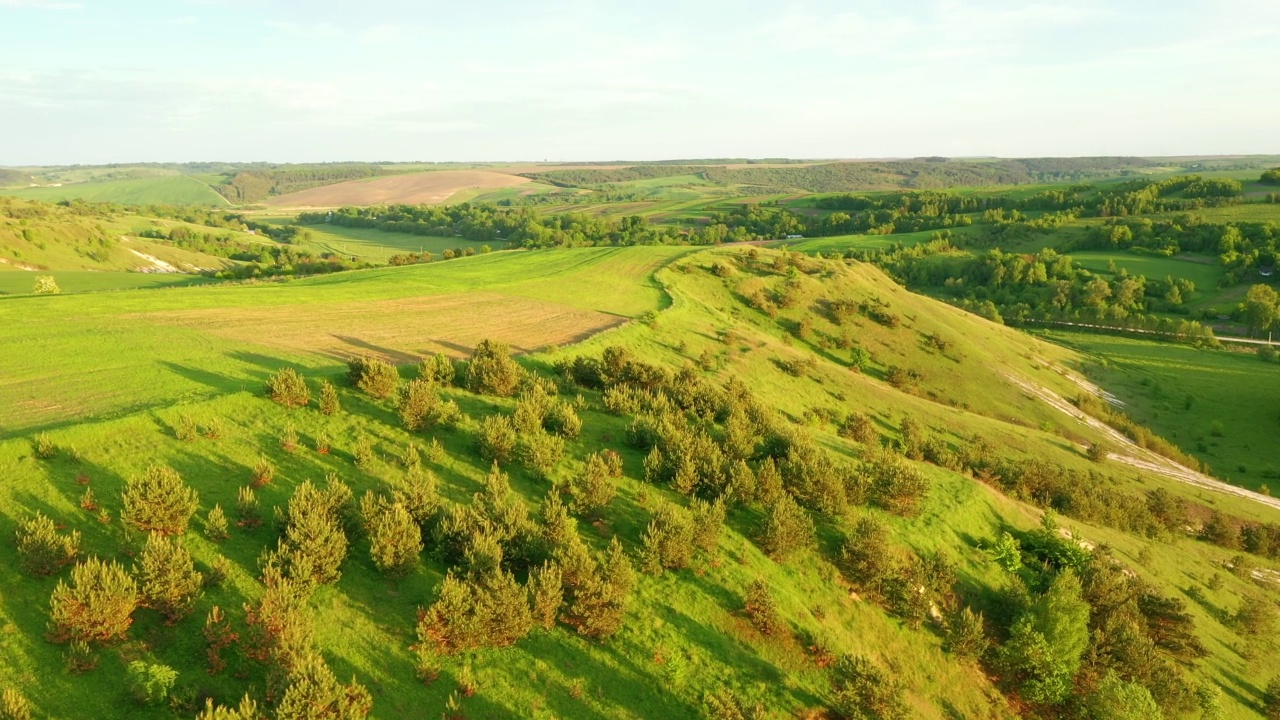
[427,187]
[400,330]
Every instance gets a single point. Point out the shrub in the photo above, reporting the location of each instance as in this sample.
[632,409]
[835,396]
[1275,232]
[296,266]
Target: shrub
[965,634]
[787,529]
[248,509]
[859,427]
[395,541]
[377,378]
[150,684]
[263,472]
[288,388]
[897,486]
[46,285]
[668,540]
[97,605]
[496,439]
[159,501]
[14,705]
[42,550]
[1097,452]
[170,583]
[329,404]
[761,609]
[437,369]
[594,487]
[185,429]
[492,371]
[540,452]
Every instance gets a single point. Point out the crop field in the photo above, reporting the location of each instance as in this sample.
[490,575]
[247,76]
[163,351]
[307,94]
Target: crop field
[429,187]
[17,282]
[161,190]
[189,344]
[1216,404]
[1204,271]
[370,245]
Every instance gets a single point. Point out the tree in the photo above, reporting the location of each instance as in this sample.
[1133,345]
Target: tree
[395,541]
[761,609]
[1260,308]
[496,439]
[1271,699]
[1047,641]
[546,594]
[1116,699]
[896,485]
[859,427]
[314,544]
[377,378]
[42,550]
[329,404]
[539,452]
[1270,177]
[787,528]
[159,501]
[215,525]
[170,583]
[863,690]
[96,607]
[46,285]
[708,524]
[668,541]
[492,371]
[246,710]
[597,590]
[280,626]
[314,693]
[288,388]
[419,405]
[150,683]
[437,369]
[1256,617]
[867,557]
[14,705]
[593,488]
[490,609]
[965,634]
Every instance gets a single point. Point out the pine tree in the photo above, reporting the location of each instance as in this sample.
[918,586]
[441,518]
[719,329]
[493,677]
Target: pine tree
[598,590]
[288,388]
[761,608]
[492,371]
[418,405]
[218,636]
[248,509]
[668,540]
[708,524]
[863,690]
[546,594]
[1271,699]
[593,488]
[539,452]
[246,710]
[437,369]
[14,705]
[215,525]
[281,631]
[395,541]
[787,529]
[42,550]
[263,473]
[496,440]
[867,557]
[97,606]
[159,501]
[420,496]
[329,404]
[377,378]
[314,693]
[170,583]
[314,544]
[966,636]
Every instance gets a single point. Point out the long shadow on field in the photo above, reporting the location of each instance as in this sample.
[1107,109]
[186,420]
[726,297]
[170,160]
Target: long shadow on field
[213,381]
[396,356]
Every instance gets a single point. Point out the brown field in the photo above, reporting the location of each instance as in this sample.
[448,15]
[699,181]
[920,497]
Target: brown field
[427,187]
[400,330]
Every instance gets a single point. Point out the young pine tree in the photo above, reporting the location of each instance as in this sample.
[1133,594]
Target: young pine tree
[170,583]
[496,439]
[395,540]
[96,606]
[159,501]
[593,488]
[215,525]
[761,609]
[14,705]
[329,404]
[492,371]
[288,388]
[42,550]
[314,692]
[787,529]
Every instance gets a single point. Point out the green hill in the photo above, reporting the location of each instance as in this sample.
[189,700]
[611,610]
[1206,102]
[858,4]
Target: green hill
[707,356]
[161,190]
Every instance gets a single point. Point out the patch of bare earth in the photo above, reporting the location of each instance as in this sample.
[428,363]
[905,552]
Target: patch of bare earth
[400,330]
[427,187]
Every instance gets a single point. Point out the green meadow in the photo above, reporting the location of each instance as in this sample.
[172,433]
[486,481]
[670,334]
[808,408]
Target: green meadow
[160,190]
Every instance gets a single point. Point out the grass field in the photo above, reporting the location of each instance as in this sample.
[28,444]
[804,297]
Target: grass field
[162,190]
[1204,271]
[1213,403]
[845,243]
[77,281]
[215,339]
[370,245]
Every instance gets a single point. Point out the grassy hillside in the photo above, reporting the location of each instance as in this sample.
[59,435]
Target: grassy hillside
[121,375]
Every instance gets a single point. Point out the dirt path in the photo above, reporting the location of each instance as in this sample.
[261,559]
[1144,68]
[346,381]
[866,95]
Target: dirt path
[157,265]
[1133,455]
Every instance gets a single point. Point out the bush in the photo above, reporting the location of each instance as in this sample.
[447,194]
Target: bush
[169,581]
[42,550]
[897,486]
[329,404]
[377,378]
[965,634]
[159,501]
[496,439]
[46,285]
[859,427]
[96,607]
[761,609]
[492,371]
[150,684]
[787,529]
[288,388]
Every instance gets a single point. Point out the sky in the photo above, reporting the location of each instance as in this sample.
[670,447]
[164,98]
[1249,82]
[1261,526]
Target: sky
[100,81]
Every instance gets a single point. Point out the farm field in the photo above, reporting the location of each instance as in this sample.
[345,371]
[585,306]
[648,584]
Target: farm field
[429,187]
[160,190]
[78,281]
[368,245]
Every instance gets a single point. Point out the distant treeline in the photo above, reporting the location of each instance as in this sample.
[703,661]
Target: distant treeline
[256,185]
[588,177]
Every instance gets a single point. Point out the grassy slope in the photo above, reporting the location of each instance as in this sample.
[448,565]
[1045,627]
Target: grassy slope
[687,618]
[370,245]
[163,190]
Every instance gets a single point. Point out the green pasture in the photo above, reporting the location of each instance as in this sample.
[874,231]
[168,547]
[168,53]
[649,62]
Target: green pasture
[1204,270]
[17,282]
[372,245]
[160,190]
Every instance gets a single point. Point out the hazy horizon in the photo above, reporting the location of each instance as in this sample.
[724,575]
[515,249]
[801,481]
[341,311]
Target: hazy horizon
[91,82]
